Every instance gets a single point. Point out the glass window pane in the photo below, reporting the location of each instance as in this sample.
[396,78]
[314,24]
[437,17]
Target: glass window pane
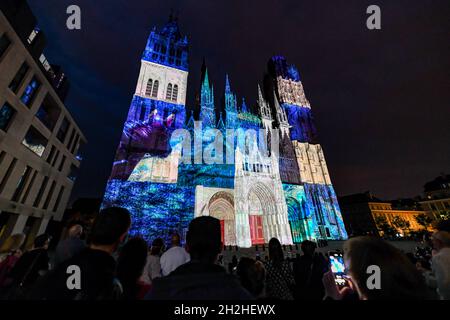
[6,115]
[4,44]
[63,129]
[18,78]
[30,91]
[48,113]
[35,141]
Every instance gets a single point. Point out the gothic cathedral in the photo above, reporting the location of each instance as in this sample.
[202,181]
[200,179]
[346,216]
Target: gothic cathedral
[256,193]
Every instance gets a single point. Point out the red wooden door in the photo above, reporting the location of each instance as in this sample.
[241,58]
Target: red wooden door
[256,229]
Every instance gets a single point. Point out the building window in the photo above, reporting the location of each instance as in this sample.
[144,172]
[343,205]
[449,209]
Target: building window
[10,169]
[61,165]
[55,158]
[51,154]
[73,172]
[48,113]
[72,136]
[30,185]
[35,141]
[33,35]
[58,199]
[79,155]
[4,44]
[38,198]
[155,89]
[30,91]
[169,92]
[6,115]
[175,93]
[21,184]
[20,75]
[75,144]
[63,129]
[148,89]
[49,195]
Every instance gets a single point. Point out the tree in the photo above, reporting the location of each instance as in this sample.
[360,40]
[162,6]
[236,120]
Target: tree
[400,223]
[445,215]
[384,226]
[424,220]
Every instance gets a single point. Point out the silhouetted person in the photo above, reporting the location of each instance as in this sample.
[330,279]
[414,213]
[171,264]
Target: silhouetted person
[308,272]
[30,266]
[131,262]
[398,278]
[152,269]
[96,264]
[10,252]
[252,275]
[70,246]
[174,257]
[279,278]
[201,278]
[232,265]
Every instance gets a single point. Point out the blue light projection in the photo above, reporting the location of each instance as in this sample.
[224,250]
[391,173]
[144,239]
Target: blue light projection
[301,120]
[167,47]
[160,191]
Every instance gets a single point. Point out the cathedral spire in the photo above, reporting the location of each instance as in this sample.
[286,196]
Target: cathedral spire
[207,109]
[264,108]
[244,106]
[227,84]
[230,105]
[220,123]
[280,112]
[261,101]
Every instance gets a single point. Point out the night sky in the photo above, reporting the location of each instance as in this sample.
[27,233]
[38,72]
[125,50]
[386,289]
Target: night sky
[381,99]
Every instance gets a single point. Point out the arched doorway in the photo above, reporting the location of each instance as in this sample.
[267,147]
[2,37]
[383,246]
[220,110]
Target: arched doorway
[221,206]
[297,220]
[261,205]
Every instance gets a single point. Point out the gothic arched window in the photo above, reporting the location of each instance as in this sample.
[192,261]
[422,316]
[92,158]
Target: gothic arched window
[155,89]
[169,92]
[148,89]
[175,93]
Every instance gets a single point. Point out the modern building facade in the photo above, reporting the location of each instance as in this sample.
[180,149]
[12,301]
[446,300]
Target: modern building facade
[365,214]
[39,139]
[271,180]
[436,201]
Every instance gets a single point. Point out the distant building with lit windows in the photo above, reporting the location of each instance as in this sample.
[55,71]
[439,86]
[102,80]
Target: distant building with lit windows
[39,139]
[364,214]
[436,200]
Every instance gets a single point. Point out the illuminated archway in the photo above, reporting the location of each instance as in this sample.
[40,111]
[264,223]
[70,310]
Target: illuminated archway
[261,210]
[221,206]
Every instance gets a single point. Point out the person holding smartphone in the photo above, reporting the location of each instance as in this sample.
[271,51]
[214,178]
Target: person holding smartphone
[399,279]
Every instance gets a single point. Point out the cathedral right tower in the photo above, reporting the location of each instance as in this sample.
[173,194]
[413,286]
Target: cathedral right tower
[302,161]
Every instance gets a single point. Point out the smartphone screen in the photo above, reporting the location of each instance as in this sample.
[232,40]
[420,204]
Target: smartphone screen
[337,267]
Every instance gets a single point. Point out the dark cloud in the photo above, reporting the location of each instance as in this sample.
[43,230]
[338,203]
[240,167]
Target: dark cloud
[380,98]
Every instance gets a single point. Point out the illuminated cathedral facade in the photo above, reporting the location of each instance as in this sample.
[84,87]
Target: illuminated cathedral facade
[256,193]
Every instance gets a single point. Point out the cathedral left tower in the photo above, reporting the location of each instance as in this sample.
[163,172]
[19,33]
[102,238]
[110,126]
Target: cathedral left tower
[158,104]
[145,169]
